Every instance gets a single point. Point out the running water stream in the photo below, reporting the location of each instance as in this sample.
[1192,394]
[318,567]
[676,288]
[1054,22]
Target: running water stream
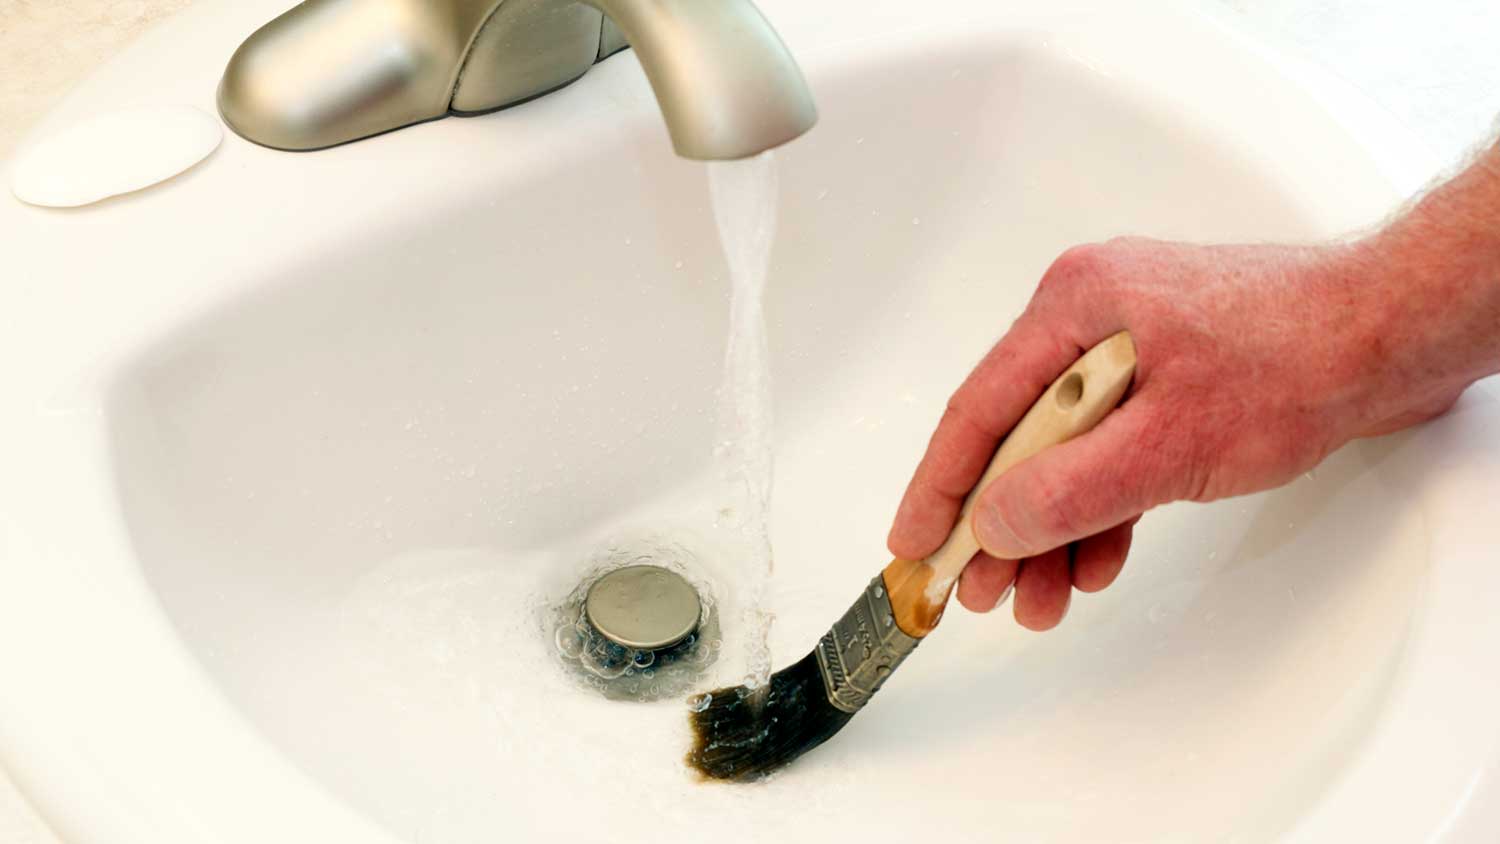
[744,199]
[744,195]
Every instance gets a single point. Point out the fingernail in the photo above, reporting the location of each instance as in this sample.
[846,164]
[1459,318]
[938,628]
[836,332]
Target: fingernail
[995,536]
[1004,596]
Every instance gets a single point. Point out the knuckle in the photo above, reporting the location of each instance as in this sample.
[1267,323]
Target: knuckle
[956,411]
[1125,242]
[966,413]
[1077,265]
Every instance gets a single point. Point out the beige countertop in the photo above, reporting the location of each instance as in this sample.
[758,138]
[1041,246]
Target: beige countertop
[1434,65]
[46,46]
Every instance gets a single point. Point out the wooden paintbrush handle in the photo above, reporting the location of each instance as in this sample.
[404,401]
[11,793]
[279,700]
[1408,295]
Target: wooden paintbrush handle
[1074,404]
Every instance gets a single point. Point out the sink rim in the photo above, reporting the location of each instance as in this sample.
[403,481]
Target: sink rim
[60,400]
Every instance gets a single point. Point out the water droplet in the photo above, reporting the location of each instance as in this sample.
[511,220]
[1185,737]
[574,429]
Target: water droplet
[570,641]
[916,221]
[700,703]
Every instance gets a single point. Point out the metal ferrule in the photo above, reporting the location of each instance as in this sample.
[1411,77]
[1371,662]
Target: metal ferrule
[862,649]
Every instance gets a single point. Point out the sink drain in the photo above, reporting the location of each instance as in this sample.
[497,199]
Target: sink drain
[638,631]
[647,608]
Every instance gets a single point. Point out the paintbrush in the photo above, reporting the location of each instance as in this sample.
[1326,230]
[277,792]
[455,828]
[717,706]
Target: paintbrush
[743,734]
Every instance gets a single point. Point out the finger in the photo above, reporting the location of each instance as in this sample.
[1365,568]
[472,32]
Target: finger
[1097,560]
[988,404]
[986,582]
[1084,486]
[1044,587]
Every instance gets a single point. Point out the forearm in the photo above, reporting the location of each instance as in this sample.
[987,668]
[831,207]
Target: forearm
[1441,261]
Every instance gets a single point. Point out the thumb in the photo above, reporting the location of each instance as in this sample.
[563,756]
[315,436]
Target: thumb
[1077,489]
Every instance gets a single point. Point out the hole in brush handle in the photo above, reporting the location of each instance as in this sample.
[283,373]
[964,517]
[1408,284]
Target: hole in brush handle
[1070,391]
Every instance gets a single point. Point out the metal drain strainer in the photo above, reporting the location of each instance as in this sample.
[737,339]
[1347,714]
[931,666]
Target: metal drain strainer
[640,631]
[644,607]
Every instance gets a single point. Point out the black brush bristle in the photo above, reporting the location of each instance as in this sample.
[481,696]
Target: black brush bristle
[743,734]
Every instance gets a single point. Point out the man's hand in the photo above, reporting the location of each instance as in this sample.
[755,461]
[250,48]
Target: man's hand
[1255,362]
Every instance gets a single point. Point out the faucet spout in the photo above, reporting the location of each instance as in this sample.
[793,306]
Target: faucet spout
[727,85]
[328,72]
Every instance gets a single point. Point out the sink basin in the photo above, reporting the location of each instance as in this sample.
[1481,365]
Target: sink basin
[300,446]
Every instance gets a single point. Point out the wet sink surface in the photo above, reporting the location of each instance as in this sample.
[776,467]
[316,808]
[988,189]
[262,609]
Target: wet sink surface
[338,458]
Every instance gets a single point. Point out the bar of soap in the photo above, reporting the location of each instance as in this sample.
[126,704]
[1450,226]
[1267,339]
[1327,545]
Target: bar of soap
[113,153]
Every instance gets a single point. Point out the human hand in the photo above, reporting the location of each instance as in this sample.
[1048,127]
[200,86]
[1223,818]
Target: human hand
[1255,363]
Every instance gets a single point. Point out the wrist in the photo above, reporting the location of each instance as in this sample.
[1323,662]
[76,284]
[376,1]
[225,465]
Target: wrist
[1443,256]
[1426,316]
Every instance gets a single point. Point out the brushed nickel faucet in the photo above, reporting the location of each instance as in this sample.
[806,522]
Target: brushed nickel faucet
[332,71]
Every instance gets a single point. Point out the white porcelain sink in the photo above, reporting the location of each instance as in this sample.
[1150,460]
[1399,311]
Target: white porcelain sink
[296,444]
